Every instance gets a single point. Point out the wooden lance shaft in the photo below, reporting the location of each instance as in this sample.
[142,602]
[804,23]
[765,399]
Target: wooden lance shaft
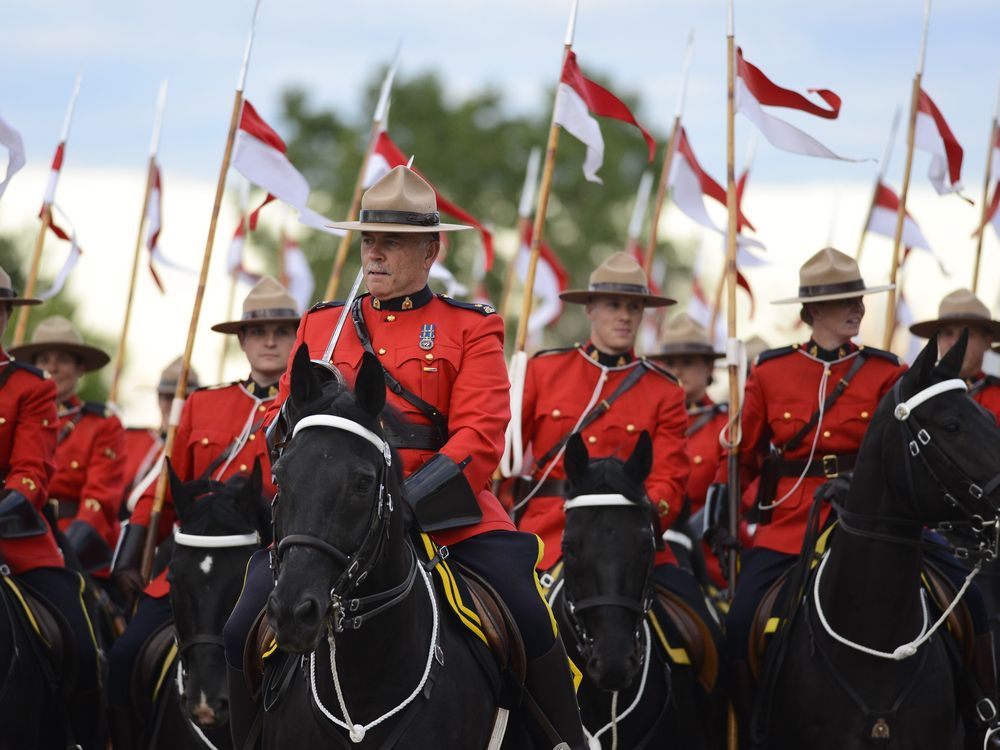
[984,204]
[523,222]
[345,241]
[890,311]
[661,195]
[29,287]
[181,392]
[123,336]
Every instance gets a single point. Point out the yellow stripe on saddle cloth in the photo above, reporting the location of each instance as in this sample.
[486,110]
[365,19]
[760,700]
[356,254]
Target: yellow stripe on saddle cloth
[29,612]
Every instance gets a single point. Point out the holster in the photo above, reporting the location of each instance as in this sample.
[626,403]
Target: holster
[130,546]
[767,486]
[19,518]
[91,550]
[440,495]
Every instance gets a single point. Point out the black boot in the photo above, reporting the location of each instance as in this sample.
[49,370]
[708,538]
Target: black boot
[242,708]
[124,727]
[741,684]
[550,684]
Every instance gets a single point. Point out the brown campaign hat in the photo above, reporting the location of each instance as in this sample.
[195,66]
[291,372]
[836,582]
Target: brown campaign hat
[401,201]
[58,334]
[683,335]
[962,308]
[267,302]
[618,276]
[171,374]
[8,295]
[830,275]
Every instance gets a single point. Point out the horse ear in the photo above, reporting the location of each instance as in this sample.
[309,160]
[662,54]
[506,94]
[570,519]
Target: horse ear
[369,386]
[640,462]
[181,497]
[951,363]
[922,368]
[305,386]
[576,459]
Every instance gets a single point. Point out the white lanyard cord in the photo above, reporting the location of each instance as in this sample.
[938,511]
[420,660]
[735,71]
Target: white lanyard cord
[613,724]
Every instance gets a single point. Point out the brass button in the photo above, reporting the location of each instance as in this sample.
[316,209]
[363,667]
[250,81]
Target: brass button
[243,467]
[592,439]
[262,408]
[556,413]
[3,420]
[74,464]
[630,428]
[664,507]
[428,357]
[864,415]
[787,415]
[45,423]
[827,372]
[92,505]
[697,459]
[826,433]
[252,436]
[381,350]
[204,441]
[390,318]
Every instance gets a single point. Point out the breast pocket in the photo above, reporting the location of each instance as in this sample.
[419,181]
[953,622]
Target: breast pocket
[787,420]
[429,373]
[553,420]
[206,448]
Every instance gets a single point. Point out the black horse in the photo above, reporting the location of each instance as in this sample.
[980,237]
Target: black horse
[630,692]
[931,456]
[372,651]
[221,525]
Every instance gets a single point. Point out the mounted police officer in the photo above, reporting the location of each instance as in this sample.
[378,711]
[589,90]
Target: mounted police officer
[447,377]
[959,310]
[218,437]
[89,480]
[28,433]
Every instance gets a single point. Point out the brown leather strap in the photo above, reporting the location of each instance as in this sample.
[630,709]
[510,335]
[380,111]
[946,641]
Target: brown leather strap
[829,466]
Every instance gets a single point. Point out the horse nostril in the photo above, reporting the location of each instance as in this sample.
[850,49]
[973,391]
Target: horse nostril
[307,612]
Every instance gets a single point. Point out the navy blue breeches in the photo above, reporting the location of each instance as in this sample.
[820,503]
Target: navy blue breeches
[149,615]
[759,568]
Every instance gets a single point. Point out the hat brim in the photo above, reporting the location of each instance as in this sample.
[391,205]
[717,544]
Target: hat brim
[235,326]
[838,295]
[20,301]
[91,358]
[686,350]
[926,328]
[583,296]
[368,226]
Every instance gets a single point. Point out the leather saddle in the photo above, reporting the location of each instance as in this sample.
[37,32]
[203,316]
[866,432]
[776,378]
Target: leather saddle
[695,636]
[42,618]
[766,620]
[156,655]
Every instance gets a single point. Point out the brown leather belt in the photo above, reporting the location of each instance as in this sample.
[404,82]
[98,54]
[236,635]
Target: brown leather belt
[829,465]
[548,488]
[65,508]
[414,437]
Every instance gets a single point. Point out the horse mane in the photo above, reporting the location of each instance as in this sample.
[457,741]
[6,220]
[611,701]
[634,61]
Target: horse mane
[609,472]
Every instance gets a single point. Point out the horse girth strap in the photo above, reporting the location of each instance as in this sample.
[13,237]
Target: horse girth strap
[799,436]
[437,419]
[593,415]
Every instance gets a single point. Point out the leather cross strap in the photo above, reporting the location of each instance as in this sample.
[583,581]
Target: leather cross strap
[430,411]
[594,414]
[705,415]
[227,452]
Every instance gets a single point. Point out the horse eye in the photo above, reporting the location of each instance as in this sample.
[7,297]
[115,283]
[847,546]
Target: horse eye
[363,484]
[952,427]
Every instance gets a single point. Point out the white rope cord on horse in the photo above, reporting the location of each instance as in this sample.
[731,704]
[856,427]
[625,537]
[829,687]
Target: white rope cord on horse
[594,740]
[907,649]
[357,731]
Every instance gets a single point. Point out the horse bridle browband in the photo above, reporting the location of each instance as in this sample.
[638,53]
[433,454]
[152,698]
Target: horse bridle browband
[572,608]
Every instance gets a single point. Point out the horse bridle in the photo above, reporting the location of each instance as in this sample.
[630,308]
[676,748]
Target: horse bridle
[584,640]
[352,613]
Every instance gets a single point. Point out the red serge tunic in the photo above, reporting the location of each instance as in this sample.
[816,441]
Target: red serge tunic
[782,393]
[142,450]
[707,419]
[461,372]
[27,456]
[558,387]
[89,480]
[985,391]
[216,420]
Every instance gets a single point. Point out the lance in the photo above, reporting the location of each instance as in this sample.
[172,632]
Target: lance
[668,158]
[244,198]
[543,195]
[150,175]
[46,215]
[882,167]
[523,222]
[986,189]
[378,120]
[890,310]
[181,392]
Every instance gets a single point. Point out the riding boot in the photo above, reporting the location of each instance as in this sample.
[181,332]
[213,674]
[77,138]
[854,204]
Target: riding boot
[125,731]
[741,684]
[242,708]
[550,684]
[984,673]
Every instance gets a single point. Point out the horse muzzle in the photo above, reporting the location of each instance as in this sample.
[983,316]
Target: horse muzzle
[206,712]
[614,669]
[298,624]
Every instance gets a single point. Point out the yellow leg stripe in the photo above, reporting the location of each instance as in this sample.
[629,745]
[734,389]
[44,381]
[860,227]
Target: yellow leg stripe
[577,674]
[90,625]
[457,593]
[773,623]
[538,586]
[26,608]
[677,655]
[171,655]
[445,574]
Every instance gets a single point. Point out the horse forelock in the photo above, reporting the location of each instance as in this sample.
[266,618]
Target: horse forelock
[608,475]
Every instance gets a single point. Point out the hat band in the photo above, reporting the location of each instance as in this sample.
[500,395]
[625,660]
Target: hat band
[609,286]
[818,290]
[964,315]
[684,347]
[370,216]
[7,293]
[274,312]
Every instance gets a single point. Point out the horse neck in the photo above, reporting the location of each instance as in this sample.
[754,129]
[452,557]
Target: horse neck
[870,587]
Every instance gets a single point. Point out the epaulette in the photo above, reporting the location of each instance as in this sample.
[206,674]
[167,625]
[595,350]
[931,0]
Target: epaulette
[871,351]
[38,372]
[764,356]
[556,350]
[659,370]
[325,305]
[97,408]
[479,307]
[217,386]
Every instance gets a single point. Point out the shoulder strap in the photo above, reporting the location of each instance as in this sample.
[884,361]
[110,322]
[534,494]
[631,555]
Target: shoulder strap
[799,436]
[598,411]
[6,373]
[986,382]
[703,419]
[430,411]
